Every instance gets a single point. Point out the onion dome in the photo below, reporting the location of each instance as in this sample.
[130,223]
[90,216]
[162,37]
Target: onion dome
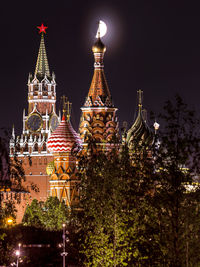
[64,138]
[139,133]
[99,47]
[50,168]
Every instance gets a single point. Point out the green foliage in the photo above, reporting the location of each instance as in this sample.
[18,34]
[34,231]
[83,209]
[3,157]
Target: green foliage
[54,214]
[177,195]
[114,200]
[33,214]
[143,210]
[12,177]
[49,215]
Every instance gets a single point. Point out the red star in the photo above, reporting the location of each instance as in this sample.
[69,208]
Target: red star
[42,28]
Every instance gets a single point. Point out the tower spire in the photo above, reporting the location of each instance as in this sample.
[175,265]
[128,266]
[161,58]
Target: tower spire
[66,108]
[99,94]
[98,117]
[42,66]
[140,95]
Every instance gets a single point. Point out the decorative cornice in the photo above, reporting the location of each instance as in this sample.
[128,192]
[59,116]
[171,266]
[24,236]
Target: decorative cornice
[42,100]
[99,109]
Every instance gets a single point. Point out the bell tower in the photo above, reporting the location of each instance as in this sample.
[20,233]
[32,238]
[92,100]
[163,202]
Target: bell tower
[38,123]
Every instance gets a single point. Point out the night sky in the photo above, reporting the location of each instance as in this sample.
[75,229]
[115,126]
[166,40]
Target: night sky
[152,45]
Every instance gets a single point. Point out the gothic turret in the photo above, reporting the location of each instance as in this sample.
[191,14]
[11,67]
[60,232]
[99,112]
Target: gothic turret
[98,113]
[139,134]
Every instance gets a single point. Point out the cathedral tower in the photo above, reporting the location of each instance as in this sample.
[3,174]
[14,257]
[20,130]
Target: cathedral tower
[98,117]
[38,123]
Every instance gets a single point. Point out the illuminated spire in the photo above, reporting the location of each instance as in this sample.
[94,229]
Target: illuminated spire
[42,66]
[99,94]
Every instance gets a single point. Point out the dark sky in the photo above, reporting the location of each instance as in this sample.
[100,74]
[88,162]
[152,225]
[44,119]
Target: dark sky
[152,45]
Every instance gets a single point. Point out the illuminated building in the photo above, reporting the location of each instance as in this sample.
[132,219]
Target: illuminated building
[38,123]
[48,144]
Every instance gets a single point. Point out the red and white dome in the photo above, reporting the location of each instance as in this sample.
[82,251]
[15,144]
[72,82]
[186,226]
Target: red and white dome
[63,138]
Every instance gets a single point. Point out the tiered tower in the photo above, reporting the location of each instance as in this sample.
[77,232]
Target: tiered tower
[39,122]
[62,142]
[98,117]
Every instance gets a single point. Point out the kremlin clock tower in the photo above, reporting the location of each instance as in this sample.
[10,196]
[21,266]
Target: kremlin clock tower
[40,120]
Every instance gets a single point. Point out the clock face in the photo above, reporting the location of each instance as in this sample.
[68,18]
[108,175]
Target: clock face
[54,122]
[34,122]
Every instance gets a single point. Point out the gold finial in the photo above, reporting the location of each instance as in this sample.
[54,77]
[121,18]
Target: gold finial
[64,100]
[99,47]
[140,94]
[66,107]
[98,31]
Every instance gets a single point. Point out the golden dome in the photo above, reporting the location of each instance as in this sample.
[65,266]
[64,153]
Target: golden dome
[50,168]
[99,47]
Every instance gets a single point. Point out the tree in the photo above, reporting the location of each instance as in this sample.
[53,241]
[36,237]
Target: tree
[54,214]
[116,219]
[12,176]
[33,213]
[177,195]
[144,210]
[49,215]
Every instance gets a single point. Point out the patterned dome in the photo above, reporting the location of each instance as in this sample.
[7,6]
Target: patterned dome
[139,133]
[64,138]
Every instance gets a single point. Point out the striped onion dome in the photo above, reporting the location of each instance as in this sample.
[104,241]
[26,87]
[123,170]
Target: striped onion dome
[64,138]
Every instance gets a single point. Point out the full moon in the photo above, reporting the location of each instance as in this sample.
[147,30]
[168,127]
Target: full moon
[102,29]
